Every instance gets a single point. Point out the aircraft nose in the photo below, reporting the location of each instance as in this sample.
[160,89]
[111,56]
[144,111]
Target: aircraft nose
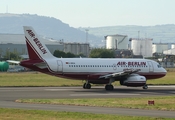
[165,70]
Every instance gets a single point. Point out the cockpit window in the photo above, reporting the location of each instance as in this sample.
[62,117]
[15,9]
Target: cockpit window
[159,66]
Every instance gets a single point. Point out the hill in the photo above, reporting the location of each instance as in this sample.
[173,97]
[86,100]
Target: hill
[54,28]
[45,26]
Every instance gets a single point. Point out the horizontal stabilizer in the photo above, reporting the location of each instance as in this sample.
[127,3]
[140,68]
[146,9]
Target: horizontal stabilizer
[13,61]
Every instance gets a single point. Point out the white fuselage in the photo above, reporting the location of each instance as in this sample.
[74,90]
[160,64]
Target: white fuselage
[88,65]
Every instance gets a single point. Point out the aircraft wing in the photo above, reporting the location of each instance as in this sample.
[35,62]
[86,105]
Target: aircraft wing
[13,61]
[117,74]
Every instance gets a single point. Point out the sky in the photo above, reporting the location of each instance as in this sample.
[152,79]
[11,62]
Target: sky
[97,13]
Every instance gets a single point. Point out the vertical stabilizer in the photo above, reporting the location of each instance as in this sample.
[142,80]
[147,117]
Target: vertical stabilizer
[36,48]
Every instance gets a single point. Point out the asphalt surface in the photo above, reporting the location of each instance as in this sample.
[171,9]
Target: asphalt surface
[8,95]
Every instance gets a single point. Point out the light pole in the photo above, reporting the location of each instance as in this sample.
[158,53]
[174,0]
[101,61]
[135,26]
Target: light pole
[9,52]
[86,35]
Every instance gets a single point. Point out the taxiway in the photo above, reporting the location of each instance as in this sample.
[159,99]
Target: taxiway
[8,95]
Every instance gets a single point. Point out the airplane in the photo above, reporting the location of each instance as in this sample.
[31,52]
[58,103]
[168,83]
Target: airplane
[129,72]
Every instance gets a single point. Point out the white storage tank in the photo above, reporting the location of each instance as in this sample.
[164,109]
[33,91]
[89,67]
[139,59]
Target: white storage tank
[173,46]
[116,41]
[169,52]
[141,47]
[160,47]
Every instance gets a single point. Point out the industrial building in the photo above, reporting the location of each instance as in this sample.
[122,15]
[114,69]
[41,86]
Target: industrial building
[16,43]
[77,48]
[141,46]
[116,41]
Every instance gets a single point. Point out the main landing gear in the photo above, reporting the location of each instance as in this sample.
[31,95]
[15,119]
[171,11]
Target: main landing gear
[109,87]
[145,86]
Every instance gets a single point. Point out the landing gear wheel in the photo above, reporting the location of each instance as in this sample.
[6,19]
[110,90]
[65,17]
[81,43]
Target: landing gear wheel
[109,87]
[87,86]
[145,87]
[84,86]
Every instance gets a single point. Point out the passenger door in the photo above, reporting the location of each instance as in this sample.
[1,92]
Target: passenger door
[60,66]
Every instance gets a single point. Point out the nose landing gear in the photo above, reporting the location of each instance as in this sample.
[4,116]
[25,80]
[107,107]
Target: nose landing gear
[145,87]
[87,86]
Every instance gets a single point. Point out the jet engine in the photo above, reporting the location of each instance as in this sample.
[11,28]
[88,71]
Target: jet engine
[134,80]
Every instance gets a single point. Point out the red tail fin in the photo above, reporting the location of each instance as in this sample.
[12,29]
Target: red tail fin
[36,48]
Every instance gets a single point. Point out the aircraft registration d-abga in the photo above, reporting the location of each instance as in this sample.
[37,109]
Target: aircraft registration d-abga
[129,72]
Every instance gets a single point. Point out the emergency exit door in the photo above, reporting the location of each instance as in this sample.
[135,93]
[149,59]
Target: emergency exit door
[151,68]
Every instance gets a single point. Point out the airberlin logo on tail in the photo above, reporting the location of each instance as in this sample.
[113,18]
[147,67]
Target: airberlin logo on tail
[38,43]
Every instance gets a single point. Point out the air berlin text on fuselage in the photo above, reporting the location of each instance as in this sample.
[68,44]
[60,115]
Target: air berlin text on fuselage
[38,43]
[132,63]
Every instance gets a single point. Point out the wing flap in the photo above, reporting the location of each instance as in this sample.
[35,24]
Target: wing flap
[123,73]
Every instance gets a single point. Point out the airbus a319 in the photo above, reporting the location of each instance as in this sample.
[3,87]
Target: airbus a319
[129,72]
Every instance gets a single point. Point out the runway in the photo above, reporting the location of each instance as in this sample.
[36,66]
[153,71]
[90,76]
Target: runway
[9,94]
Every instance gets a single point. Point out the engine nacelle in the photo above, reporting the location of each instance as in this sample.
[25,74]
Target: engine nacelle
[134,80]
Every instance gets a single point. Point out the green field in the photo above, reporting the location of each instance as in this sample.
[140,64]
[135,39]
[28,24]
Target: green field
[26,79]
[39,79]
[18,114]
[161,103]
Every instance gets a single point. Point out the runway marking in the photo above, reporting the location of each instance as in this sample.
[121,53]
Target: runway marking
[169,86]
[59,89]
[101,94]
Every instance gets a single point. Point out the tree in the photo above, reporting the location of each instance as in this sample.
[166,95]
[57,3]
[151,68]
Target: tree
[12,56]
[80,55]
[101,53]
[59,54]
[70,55]
[62,54]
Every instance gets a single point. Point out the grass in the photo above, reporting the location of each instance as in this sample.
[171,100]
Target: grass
[18,114]
[39,79]
[35,79]
[169,79]
[161,103]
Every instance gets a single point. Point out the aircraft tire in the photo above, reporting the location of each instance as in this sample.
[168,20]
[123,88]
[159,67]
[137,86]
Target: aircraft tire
[145,87]
[84,85]
[109,87]
[87,86]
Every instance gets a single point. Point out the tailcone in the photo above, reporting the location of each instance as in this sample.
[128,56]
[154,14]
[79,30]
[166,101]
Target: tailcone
[30,63]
